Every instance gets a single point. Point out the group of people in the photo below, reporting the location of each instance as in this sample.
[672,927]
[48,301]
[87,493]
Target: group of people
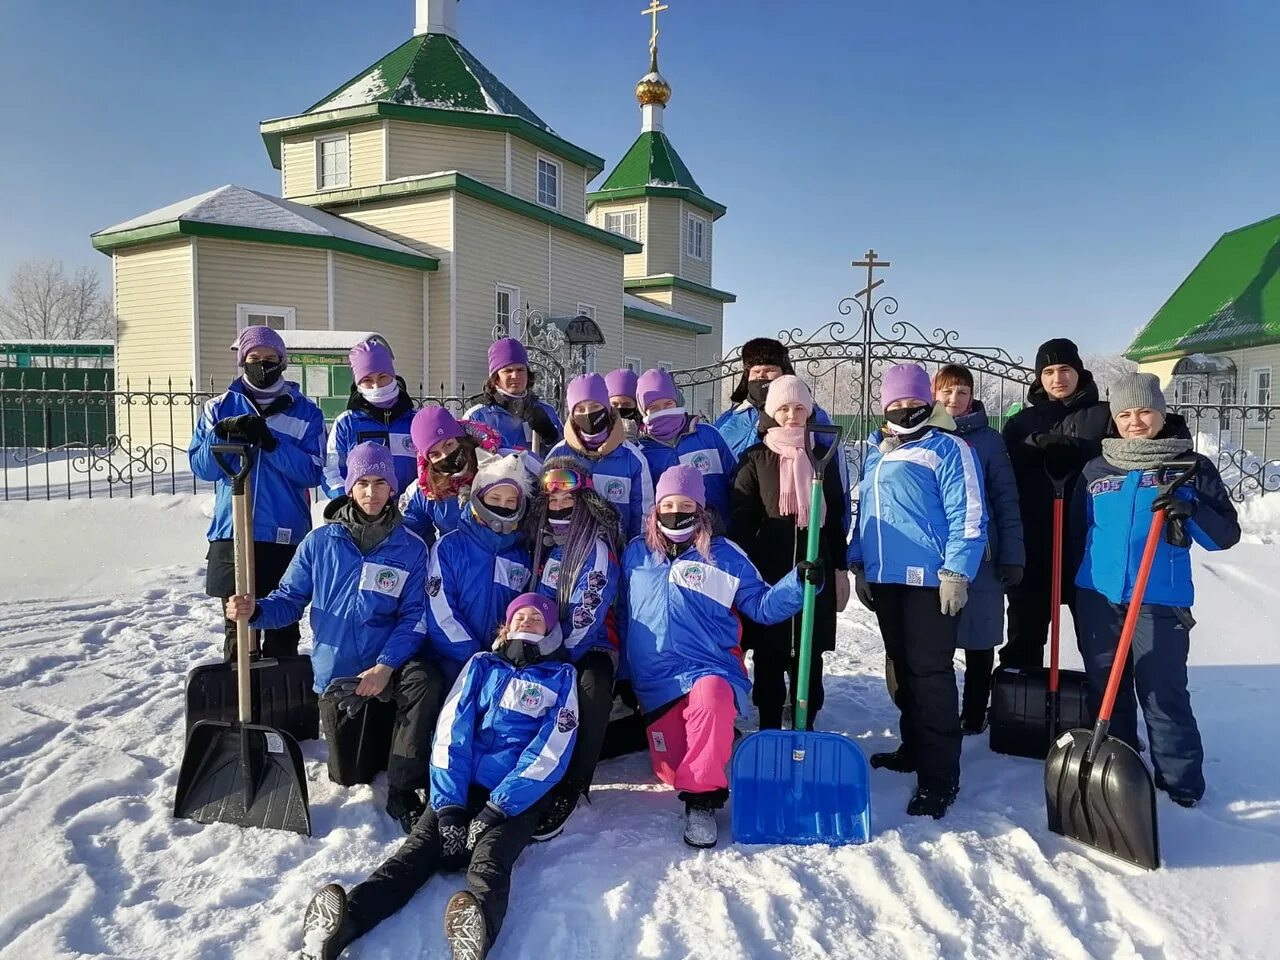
[520,590]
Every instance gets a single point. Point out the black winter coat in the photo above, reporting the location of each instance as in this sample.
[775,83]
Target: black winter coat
[775,544]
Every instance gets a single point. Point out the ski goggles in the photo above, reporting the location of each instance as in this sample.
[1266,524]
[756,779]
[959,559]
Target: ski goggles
[565,481]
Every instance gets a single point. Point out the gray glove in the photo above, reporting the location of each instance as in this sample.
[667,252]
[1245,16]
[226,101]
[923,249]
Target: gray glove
[861,588]
[343,690]
[953,592]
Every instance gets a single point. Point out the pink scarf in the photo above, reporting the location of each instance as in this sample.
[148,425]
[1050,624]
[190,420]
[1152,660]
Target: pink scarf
[795,473]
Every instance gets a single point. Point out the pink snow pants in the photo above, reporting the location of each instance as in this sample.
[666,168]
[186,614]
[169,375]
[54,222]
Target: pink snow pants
[690,745]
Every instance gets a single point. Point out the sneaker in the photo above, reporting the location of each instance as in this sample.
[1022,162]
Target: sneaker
[552,822]
[700,828]
[931,802]
[405,807]
[326,928]
[464,927]
[899,761]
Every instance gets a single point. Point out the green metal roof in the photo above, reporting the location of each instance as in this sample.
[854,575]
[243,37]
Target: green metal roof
[652,167]
[667,281]
[1230,300]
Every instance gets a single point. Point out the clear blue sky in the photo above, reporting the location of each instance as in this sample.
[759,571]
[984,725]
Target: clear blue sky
[1031,168]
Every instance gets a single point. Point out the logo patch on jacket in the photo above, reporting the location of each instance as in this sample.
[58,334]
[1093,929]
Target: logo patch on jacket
[616,489]
[551,574]
[433,586]
[704,461]
[566,720]
[528,697]
[596,581]
[508,572]
[382,578]
[693,575]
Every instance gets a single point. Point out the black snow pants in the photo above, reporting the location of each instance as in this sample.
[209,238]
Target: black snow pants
[596,671]
[270,561]
[921,642]
[776,669]
[407,870]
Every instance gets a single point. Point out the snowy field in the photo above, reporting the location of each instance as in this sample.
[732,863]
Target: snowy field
[102,614]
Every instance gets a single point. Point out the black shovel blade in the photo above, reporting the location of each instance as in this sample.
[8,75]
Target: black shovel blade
[281,694]
[1020,723]
[247,774]
[1108,803]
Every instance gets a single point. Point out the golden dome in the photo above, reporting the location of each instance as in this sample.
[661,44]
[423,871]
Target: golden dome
[653,88]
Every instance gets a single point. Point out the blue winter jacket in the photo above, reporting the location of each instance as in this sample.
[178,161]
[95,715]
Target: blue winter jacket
[428,518]
[365,608]
[472,575]
[703,446]
[361,422]
[1113,506]
[280,478]
[1004,519]
[920,509]
[588,622]
[515,433]
[683,618]
[508,729]
[619,473]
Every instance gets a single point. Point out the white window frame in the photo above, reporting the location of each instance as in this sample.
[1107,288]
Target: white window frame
[664,365]
[590,355]
[245,310]
[586,310]
[698,251]
[1228,394]
[633,364]
[1255,395]
[537,178]
[513,293]
[1184,390]
[622,216]
[320,142]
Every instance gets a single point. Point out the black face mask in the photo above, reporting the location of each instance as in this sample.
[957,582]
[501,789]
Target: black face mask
[908,418]
[518,653]
[263,374]
[452,465]
[678,521]
[597,421]
[630,413]
[563,515]
[757,390]
[506,513]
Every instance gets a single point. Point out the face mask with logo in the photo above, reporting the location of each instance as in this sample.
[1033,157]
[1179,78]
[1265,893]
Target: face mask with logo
[593,427]
[630,413]
[906,421]
[757,390]
[381,396]
[453,465]
[263,374]
[665,424]
[678,526]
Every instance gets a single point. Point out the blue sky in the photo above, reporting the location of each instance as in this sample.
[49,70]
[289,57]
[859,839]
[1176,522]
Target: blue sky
[1030,168]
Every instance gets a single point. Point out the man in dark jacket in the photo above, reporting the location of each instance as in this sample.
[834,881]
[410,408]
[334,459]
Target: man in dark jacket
[1050,440]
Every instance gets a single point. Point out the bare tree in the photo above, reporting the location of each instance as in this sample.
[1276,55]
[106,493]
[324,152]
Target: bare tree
[1107,368]
[43,303]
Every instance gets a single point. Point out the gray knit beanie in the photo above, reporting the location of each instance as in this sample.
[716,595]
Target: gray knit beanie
[1134,391]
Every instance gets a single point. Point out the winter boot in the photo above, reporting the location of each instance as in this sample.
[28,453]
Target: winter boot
[972,724]
[700,828]
[932,801]
[899,761]
[464,927]
[405,807]
[326,928]
[553,819]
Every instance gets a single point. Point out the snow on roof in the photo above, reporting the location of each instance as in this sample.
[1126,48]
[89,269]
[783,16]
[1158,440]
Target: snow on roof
[235,206]
[325,339]
[631,302]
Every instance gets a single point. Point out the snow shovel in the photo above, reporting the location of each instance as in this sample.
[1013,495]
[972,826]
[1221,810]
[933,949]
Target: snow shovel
[1097,789]
[242,772]
[1029,708]
[795,786]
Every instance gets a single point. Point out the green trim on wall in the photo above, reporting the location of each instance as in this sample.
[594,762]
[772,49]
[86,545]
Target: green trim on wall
[662,320]
[273,131]
[468,187]
[110,242]
[668,281]
[717,210]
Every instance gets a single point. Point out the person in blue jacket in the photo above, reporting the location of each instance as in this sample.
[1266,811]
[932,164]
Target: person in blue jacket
[480,567]
[1113,506]
[671,435]
[503,742]
[685,589]
[364,577]
[594,433]
[919,542]
[449,454]
[509,405]
[577,545]
[379,409]
[287,432]
[982,620]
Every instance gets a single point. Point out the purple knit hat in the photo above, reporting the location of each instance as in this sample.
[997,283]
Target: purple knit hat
[682,480]
[621,383]
[506,352]
[905,381]
[370,459]
[544,605]
[431,425]
[655,384]
[251,337]
[589,386]
[370,357]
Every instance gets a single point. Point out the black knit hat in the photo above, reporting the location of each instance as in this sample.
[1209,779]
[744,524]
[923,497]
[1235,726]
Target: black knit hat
[1056,351]
[760,351]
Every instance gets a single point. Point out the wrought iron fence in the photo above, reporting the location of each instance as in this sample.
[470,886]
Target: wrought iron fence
[1239,438]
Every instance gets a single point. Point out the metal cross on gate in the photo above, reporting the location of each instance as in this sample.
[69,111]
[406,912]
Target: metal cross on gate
[870,262]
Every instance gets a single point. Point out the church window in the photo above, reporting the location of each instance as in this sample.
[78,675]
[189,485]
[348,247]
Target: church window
[632,364]
[624,222]
[261,315]
[506,300]
[586,310]
[695,237]
[333,162]
[548,183]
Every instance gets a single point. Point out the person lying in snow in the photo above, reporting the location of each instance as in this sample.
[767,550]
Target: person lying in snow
[504,740]
[364,577]
[685,589]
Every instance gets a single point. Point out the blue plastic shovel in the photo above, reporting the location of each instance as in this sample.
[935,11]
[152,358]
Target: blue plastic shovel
[796,786]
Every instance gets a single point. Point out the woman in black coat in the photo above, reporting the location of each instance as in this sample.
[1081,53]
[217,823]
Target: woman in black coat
[769,518]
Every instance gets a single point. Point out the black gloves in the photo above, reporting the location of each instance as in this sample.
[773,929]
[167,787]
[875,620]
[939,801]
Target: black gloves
[1010,575]
[542,424]
[862,589]
[452,823]
[1177,511]
[485,820]
[1061,455]
[807,572]
[343,690]
[248,427]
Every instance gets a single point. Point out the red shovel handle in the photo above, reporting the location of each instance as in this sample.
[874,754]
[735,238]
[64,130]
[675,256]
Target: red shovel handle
[1055,591]
[1131,617]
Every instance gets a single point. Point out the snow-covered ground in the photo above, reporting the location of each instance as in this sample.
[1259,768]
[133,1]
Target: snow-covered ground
[102,613]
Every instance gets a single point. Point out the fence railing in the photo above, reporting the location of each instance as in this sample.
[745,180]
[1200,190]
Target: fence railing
[1240,440]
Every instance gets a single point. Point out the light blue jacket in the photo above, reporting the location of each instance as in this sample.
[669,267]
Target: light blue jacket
[356,425]
[516,433]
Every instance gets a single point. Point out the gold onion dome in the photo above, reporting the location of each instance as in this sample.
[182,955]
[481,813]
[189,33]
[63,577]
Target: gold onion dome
[653,88]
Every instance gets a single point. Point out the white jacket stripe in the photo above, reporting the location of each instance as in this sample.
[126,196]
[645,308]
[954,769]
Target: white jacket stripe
[973,496]
[332,470]
[548,759]
[439,602]
[448,716]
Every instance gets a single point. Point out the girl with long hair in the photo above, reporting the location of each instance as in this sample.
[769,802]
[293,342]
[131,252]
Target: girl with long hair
[450,453]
